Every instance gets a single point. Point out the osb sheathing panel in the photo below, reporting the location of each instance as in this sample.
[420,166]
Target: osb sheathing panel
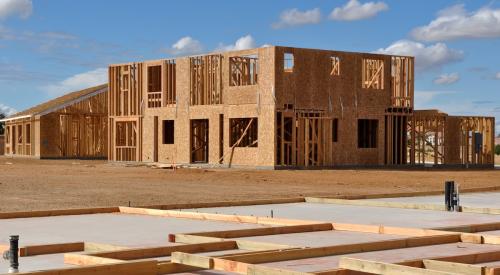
[310,86]
[452,144]
[238,102]
[49,136]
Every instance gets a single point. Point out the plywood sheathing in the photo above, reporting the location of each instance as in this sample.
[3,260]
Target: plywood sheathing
[328,83]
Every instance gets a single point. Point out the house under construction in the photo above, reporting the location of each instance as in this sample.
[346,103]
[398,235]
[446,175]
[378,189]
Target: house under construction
[282,107]
[70,126]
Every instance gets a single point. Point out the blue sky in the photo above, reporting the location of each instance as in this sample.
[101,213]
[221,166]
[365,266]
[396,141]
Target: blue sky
[49,47]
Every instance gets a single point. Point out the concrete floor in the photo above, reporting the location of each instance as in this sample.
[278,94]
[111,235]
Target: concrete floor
[35,263]
[322,238]
[388,256]
[479,200]
[359,214]
[116,229]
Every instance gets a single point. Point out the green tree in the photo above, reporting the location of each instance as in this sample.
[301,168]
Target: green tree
[497,149]
[2,124]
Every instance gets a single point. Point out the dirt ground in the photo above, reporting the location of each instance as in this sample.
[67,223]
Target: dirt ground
[55,184]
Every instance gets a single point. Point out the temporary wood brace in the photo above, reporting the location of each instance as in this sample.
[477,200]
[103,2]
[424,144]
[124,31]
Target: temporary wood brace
[243,70]
[372,73]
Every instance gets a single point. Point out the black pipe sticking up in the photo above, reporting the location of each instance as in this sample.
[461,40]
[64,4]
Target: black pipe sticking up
[451,199]
[13,254]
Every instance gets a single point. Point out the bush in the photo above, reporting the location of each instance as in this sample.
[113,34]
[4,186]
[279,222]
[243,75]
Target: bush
[497,149]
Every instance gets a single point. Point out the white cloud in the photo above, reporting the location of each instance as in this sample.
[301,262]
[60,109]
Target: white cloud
[185,46]
[78,82]
[21,8]
[243,43]
[354,10]
[295,17]
[422,98]
[456,23]
[7,110]
[446,79]
[426,57]
[497,76]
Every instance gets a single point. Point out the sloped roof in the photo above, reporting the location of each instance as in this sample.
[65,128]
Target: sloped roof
[60,101]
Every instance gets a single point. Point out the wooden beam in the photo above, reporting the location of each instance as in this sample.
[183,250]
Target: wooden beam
[381,268]
[465,269]
[213,217]
[148,267]
[192,260]
[165,251]
[275,230]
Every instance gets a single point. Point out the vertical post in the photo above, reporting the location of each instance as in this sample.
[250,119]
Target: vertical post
[456,198]
[14,254]
[448,193]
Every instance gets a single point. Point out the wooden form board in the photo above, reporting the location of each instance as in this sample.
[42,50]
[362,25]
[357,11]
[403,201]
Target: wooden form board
[248,262]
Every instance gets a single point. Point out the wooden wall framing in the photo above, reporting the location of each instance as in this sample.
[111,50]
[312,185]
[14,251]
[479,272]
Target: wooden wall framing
[243,70]
[427,134]
[402,73]
[304,138]
[126,107]
[161,84]
[206,80]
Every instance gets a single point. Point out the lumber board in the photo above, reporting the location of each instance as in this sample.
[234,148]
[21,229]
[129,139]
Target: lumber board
[148,267]
[241,244]
[192,260]
[213,217]
[465,269]
[62,212]
[33,250]
[265,270]
[380,229]
[165,251]
[86,260]
[275,230]
[169,267]
[294,254]
[420,206]
[381,268]
[99,247]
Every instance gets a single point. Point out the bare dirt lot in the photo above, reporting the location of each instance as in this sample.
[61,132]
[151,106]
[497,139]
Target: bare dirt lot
[54,184]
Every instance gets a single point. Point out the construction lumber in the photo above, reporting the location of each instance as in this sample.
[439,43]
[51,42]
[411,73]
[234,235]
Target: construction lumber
[148,267]
[64,212]
[275,230]
[459,268]
[294,254]
[87,260]
[33,250]
[214,217]
[242,244]
[420,206]
[165,251]
[381,268]
[192,260]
